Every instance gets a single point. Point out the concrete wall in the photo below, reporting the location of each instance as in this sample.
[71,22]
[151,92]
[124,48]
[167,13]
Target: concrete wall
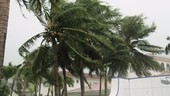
[148,86]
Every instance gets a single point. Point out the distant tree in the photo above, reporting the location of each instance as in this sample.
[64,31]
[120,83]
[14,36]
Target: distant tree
[167,48]
[8,72]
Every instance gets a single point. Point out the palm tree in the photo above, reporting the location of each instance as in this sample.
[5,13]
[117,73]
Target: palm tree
[133,30]
[4,12]
[64,62]
[8,72]
[107,17]
[70,24]
[42,66]
[61,29]
[36,64]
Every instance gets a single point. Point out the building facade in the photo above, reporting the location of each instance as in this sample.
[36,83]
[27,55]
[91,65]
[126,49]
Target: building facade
[164,61]
[156,85]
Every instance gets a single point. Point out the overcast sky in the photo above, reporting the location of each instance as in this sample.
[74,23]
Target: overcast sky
[21,29]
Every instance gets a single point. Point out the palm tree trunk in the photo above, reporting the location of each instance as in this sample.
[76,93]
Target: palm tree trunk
[105,82]
[24,87]
[35,90]
[40,87]
[4,13]
[60,89]
[82,80]
[48,92]
[52,93]
[55,68]
[100,86]
[12,87]
[65,84]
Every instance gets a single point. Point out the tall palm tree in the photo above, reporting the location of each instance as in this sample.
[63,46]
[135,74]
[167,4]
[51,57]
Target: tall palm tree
[106,16]
[133,30]
[41,65]
[72,25]
[4,13]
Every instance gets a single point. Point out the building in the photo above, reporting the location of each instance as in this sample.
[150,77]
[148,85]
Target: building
[145,86]
[156,85]
[164,61]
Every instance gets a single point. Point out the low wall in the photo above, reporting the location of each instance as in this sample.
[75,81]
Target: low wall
[147,86]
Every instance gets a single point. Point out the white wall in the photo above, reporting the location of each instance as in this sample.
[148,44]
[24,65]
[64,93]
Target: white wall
[148,86]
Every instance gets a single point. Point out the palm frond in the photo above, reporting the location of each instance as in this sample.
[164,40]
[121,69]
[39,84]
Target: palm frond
[80,18]
[77,11]
[31,56]
[42,60]
[146,31]
[99,39]
[142,64]
[139,41]
[103,11]
[23,50]
[151,48]
[64,58]
[84,58]
[23,3]
[133,27]
[88,47]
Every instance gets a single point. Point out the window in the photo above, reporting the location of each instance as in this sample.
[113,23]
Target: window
[162,66]
[167,67]
[77,81]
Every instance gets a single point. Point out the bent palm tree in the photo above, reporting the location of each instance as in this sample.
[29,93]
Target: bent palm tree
[133,30]
[67,24]
[36,63]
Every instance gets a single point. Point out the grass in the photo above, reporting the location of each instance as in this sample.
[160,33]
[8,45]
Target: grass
[89,93]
